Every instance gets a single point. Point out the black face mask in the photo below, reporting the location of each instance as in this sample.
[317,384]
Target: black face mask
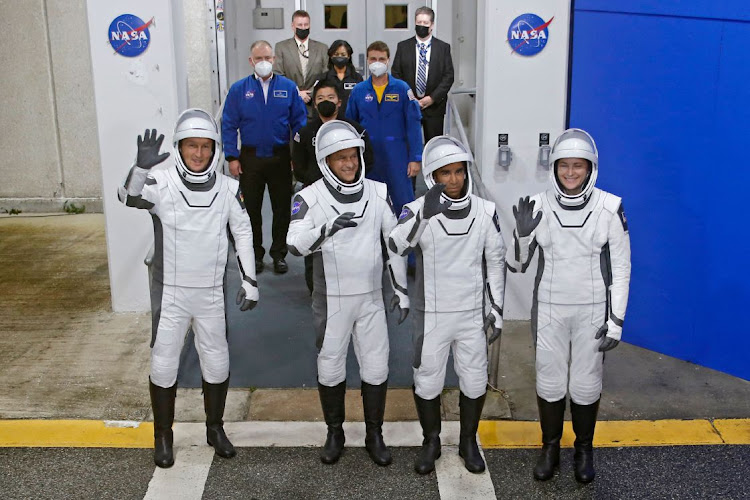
[340,62]
[422,31]
[326,109]
[302,34]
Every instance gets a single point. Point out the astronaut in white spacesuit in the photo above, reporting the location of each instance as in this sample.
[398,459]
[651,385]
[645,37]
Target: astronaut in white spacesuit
[343,220]
[460,255]
[580,293]
[191,205]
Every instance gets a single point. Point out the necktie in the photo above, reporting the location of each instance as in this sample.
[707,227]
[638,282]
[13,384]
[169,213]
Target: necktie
[422,70]
[303,56]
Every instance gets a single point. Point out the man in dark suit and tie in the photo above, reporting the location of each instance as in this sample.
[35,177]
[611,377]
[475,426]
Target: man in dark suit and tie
[425,63]
[301,59]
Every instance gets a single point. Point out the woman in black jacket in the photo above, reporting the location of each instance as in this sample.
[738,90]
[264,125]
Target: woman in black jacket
[342,71]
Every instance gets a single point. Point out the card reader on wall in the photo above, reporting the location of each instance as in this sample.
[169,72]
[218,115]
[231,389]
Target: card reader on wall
[544,150]
[268,19]
[505,156]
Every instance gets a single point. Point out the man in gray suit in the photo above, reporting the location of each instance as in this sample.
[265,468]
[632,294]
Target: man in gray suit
[301,59]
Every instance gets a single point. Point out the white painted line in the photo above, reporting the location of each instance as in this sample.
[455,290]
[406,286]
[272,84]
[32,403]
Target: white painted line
[456,483]
[292,434]
[186,479]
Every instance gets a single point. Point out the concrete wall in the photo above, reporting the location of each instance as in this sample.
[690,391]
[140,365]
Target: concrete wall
[48,113]
[48,118]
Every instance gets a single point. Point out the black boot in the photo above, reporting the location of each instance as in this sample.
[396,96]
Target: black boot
[584,421]
[214,398]
[332,400]
[373,401]
[551,417]
[471,412]
[162,404]
[429,418]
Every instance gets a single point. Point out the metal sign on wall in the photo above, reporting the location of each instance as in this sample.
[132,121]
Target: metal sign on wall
[129,35]
[528,34]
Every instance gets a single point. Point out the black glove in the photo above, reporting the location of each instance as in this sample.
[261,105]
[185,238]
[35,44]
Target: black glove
[496,332]
[608,343]
[247,297]
[148,150]
[402,312]
[525,223]
[432,205]
[340,222]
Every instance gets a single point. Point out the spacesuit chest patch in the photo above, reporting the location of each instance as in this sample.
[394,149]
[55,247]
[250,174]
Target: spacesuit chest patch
[391,98]
[280,93]
[299,208]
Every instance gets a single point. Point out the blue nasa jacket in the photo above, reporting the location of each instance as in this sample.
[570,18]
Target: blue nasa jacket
[262,125]
[394,124]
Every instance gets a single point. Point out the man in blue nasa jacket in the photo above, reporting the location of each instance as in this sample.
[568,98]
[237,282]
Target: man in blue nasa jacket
[387,108]
[267,110]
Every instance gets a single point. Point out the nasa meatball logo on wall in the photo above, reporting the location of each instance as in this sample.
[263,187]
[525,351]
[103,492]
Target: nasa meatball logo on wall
[528,34]
[129,35]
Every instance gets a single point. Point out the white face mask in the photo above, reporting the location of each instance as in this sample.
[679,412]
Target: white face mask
[263,69]
[378,68]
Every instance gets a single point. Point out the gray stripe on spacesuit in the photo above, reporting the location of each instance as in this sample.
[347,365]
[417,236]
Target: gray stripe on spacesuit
[419,280]
[129,177]
[605,264]
[458,214]
[457,234]
[319,300]
[418,337]
[157,277]
[532,249]
[617,321]
[392,245]
[395,283]
[572,225]
[319,241]
[344,198]
[414,228]
[535,299]
[150,181]
[293,250]
[199,206]
[199,186]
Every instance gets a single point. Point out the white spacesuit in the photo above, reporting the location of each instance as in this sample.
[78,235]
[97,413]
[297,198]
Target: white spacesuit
[580,293]
[191,206]
[343,223]
[460,256]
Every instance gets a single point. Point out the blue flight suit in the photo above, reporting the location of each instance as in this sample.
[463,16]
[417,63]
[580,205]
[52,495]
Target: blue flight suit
[395,128]
[262,125]
[266,127]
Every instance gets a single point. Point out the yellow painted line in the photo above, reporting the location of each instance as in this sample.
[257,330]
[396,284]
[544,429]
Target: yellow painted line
[508,434]
[75,434]
[492,434]
[734,431]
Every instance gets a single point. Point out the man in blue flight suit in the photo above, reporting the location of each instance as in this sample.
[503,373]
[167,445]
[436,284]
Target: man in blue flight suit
[387,108]
[268,111]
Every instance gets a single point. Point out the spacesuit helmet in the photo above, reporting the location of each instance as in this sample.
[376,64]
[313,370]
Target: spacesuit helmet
[575,143]
[196,122]
[441,151]
[333,136]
